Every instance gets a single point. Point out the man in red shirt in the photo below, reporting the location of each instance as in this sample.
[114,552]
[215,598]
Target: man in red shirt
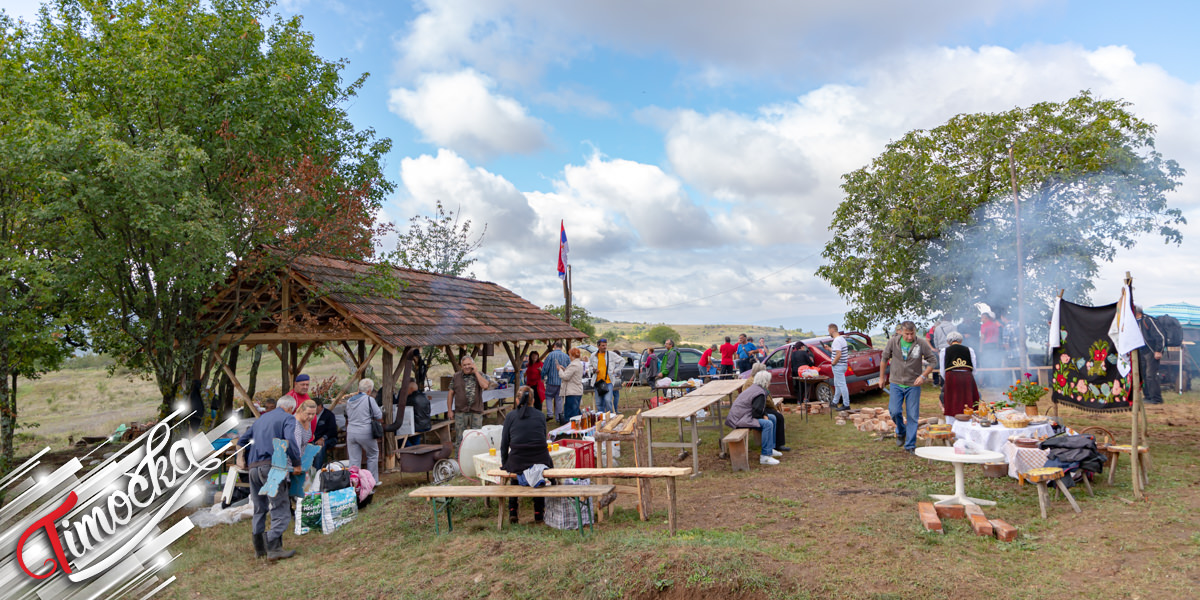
[300,389]
[727,351]
[706,363]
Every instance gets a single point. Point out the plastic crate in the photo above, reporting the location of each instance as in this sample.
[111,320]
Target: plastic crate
[585,453]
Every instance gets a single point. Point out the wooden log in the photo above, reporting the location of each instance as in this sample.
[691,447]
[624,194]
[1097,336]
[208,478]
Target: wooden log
[671,504]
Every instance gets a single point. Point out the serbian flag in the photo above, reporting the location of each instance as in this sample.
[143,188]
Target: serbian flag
[562,251]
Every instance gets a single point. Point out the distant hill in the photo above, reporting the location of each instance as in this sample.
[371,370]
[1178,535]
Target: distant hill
[629,335]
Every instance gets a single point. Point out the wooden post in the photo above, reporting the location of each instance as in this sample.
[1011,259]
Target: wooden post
[1135,437]
[388,387]
[285,308]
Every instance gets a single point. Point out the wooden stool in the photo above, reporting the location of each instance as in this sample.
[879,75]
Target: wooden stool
[943,438]
[1114,451]
[736,444]
[1041,477]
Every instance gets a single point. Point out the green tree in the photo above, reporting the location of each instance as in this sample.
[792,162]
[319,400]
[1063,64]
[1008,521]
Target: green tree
[661,333]
[438,244]
[929,225]
[36,332]
[177,138]
[581,319]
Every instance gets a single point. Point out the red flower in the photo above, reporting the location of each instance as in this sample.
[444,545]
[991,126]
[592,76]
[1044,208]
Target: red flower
[1099,355]
[1060,380]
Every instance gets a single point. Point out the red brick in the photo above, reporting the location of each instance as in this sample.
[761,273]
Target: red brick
[929,517]
[1003,531]
[979,522]
[950,511]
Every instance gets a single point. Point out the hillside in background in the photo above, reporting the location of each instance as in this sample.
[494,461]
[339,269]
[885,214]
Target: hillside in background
[631,335]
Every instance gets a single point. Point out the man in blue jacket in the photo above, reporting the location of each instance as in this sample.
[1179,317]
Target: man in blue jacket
[325,433]
[260,437]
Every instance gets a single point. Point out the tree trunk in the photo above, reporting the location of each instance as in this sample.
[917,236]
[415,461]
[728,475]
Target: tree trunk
[8,414]
[254,362]
[227,385]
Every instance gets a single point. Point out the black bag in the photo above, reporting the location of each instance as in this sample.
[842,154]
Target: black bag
[334,480]
[1172,331]
[603,387]
[376,429]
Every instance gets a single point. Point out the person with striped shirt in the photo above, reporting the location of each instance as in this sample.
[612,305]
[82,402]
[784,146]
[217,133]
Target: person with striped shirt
[840,362]
[556,359]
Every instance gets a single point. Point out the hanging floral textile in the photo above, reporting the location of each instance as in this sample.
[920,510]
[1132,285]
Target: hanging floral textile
[1085,360]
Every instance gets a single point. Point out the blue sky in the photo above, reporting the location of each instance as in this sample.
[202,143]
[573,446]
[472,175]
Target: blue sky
[695,148]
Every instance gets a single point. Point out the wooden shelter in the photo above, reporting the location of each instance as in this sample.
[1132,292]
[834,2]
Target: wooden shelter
[314,300]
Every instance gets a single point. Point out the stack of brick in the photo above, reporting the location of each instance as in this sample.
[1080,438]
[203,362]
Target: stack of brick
[931,518]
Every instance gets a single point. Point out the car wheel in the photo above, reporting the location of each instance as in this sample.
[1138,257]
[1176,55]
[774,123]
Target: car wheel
[824,392]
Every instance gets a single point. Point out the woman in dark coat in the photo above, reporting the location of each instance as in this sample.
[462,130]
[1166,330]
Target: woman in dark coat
[533,379]
[523,445]
[957,363]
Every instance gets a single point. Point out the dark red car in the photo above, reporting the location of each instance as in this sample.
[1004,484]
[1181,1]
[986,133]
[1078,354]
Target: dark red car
[862,376]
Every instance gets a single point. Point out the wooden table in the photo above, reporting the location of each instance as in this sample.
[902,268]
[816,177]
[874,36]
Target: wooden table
[712,393]
[808,393]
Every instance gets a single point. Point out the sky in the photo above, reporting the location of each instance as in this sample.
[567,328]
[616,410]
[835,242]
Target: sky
[694,149]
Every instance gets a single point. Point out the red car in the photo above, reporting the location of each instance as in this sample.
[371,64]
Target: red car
[862,376]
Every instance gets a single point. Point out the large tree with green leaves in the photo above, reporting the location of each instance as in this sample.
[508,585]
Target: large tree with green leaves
[174,138]
[581,319]
[929,226]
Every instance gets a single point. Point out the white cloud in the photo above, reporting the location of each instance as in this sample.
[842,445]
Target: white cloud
[514,40]
[641,241]
[472,192]
[459,111]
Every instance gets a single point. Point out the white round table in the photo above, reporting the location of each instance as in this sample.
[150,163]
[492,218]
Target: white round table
[946,454]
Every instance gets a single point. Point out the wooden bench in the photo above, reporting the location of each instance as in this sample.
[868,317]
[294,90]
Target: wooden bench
[442,496]
[737,445]
[669,473]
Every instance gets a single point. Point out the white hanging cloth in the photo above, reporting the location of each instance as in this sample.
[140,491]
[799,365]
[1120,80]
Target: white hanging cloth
[1124,331]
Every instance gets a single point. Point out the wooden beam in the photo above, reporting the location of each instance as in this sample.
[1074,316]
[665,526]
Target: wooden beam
[454,362]
[254,339]
[237,386]
[341,311]
[275,348]
[387,391]
[362,367]
[307,354]
[475,349]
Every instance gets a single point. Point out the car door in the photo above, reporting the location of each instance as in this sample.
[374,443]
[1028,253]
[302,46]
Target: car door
[689,364]
[776,363]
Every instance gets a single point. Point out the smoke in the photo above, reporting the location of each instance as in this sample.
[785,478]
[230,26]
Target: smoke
[976,262]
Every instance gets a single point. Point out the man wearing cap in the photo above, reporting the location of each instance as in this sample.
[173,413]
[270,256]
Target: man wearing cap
[670,361]
[607,366]
[278,424]
[300,389]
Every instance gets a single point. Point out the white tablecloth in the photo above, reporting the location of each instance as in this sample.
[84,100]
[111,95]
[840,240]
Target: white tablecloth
[1023,460]
[564,458]
[993,438]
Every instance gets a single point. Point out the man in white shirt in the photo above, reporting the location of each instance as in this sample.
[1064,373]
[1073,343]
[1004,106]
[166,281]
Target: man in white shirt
[841,362]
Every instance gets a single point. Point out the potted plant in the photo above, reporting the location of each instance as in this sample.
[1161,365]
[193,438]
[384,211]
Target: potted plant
[1027,392]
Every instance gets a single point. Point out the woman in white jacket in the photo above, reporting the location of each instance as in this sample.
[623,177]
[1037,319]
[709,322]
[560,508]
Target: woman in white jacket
[572,384]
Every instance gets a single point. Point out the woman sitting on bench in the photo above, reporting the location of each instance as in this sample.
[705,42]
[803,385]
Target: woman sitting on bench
[523,445]
[751,402]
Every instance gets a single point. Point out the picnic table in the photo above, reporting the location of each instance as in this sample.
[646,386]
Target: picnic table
[710,394]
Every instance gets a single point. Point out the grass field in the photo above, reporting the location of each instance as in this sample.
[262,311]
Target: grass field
[837,519]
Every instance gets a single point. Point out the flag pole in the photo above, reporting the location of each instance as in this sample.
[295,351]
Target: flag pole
[567,300]
[1135,434]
